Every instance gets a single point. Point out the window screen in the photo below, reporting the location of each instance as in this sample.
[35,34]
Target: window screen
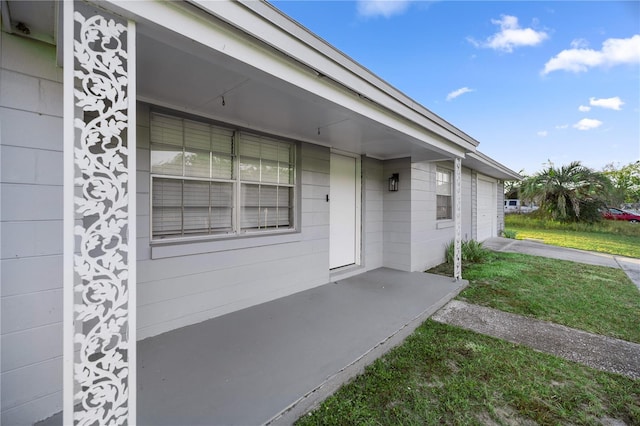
[201,187]
[443,194]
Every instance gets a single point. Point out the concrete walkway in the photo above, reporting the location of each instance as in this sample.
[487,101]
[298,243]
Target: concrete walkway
[629,265]
[600,352]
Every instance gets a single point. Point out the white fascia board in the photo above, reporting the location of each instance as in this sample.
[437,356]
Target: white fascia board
[198,25]
[491,167]
[267,24]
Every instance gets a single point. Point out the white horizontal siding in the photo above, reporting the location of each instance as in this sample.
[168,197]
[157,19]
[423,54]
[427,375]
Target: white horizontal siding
[31,221]
[178,291]
[373,183]
[397,217]
[429,236]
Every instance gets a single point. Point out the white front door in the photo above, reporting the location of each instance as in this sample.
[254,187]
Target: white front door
[344,210]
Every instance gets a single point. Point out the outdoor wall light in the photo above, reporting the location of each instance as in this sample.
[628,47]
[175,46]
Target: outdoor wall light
[393,182]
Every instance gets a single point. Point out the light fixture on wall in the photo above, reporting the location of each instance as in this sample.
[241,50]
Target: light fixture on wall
[393,182]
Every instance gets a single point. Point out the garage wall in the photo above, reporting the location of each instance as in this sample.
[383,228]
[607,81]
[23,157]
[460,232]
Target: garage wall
[487,211]
[500,207]
[31,228]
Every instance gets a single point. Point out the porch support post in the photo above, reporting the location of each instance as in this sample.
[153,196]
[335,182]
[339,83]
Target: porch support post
[457,197]
[99,217]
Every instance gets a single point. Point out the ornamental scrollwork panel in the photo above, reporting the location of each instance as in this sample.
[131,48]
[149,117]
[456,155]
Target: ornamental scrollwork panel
[101,293]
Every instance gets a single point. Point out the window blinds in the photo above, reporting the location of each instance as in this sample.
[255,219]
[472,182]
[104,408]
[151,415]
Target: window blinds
[196,176]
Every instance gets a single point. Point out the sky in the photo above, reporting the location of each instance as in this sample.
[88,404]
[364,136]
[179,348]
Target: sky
[533,81]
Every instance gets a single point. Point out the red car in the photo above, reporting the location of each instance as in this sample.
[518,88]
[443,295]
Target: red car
[617,214]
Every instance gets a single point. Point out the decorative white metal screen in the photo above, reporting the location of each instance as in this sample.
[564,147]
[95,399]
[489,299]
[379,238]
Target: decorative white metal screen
[99,217]
[457,197]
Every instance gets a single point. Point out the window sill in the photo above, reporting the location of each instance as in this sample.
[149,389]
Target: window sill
[445,223]
[175,248]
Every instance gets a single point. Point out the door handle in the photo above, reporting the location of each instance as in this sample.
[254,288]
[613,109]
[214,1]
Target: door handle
[327,198]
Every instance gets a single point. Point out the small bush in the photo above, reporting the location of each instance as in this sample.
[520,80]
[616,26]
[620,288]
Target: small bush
[508,233]
[472,252]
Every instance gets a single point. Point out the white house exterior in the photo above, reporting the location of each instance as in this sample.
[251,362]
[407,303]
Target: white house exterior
[214,156]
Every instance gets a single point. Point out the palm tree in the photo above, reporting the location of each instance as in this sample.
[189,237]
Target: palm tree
[571,192]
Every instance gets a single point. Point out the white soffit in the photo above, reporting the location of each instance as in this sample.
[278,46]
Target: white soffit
[241,50]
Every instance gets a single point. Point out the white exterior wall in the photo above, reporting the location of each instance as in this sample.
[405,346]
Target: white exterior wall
[31,229]
[177,291]
[429,236]
[373,190]
[467,203]
[500,207]
[397,216]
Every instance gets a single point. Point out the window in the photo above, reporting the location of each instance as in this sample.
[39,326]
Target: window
[210,180]
[443,194]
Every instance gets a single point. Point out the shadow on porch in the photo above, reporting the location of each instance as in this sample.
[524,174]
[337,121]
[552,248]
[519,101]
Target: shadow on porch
[270,362]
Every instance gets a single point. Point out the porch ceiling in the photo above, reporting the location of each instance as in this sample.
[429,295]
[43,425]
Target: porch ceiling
[178,73]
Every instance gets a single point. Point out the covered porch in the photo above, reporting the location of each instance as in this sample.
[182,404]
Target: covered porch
[271,362]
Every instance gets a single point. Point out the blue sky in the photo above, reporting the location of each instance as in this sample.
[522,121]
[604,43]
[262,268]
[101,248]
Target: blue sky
[532,81]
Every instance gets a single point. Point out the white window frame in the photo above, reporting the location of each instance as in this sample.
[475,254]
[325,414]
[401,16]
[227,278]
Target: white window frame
[440,169]
[236,180]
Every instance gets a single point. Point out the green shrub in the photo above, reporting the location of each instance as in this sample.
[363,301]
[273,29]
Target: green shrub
[472,252]
[508,233]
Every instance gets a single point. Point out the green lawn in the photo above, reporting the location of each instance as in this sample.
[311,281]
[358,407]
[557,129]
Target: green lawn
[613,237]
[446,375]
[568,293]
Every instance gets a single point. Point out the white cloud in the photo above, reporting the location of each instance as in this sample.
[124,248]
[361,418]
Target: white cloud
[562,126]
[584,108]
[579,43]
[609,103]
[587,124]
[543,133]
[511,35]
[458,92]
[386,8]
[615,51]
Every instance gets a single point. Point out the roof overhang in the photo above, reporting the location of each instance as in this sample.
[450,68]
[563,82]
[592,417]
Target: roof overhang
[247,64]
[489,167]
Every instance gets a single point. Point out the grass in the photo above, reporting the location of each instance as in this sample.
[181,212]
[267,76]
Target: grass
[613,237]
[446,375]
[568,293]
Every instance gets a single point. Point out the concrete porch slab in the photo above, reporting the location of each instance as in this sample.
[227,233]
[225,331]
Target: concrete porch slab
[271,362]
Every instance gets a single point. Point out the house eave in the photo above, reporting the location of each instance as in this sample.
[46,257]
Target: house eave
[488,166]
[267,24]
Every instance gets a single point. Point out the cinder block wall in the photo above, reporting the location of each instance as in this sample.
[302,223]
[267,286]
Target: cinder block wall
[31,230]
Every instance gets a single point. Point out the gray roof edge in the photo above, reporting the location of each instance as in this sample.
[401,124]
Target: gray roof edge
[499,167]
[313,41]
